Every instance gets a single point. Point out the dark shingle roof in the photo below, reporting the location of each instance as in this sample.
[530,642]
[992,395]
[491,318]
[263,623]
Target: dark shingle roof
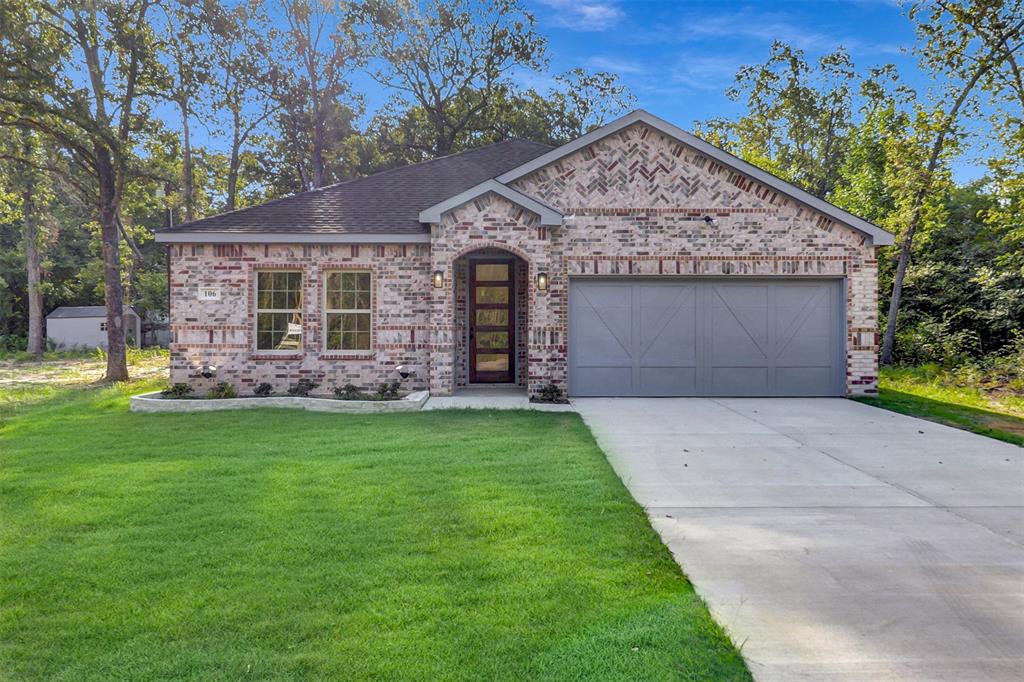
[82,311]
[389,201]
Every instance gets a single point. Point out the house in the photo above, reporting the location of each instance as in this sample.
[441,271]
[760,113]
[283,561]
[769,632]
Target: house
[637,260]
[85,326]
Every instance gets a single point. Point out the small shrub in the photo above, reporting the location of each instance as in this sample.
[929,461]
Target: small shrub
[302,388]
[222,390]
[12,343]
[349,392]
[551,393]
[388,391]
[264,390]
[177,391]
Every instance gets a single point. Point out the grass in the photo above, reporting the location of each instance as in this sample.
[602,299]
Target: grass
[938,396]
[287,544]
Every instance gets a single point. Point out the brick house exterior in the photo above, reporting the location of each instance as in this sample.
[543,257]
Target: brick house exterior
[635,201]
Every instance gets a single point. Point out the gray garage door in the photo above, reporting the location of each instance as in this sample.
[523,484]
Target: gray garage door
[635,337]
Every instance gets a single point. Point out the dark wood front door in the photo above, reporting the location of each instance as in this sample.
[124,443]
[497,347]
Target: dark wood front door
[492,341]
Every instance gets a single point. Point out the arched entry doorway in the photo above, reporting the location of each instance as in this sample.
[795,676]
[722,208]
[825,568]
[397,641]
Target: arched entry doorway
[491,301]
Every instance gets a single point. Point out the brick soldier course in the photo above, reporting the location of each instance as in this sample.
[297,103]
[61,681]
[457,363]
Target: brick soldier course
[638,197]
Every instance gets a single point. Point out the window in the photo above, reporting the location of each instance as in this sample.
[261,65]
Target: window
[279,310]
[103,326]
[348,308]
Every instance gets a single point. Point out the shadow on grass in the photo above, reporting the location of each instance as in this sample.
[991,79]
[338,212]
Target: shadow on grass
[1004,427]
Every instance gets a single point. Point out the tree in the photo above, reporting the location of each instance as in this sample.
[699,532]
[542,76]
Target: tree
[187,49]
[243,82]
[323,49]
[75,73]
[577,103]
[969,45]
[450,59]
[25,177]
[798,116]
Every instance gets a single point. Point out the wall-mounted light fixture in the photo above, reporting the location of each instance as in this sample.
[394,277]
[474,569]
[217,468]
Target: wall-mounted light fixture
[708,220]
[542,281]
[438,279]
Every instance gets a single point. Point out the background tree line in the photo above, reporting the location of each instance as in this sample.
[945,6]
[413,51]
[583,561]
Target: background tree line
[102,104]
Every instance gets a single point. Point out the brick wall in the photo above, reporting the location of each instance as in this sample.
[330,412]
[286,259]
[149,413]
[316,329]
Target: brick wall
[220,333]
[635,204]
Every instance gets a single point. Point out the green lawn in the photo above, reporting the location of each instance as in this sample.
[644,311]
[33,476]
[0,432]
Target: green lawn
[288,544]
[937,396]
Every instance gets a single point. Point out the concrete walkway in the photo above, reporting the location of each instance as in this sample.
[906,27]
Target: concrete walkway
[835,541]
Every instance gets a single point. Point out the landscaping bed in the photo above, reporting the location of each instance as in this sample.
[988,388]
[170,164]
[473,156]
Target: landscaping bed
[158,401]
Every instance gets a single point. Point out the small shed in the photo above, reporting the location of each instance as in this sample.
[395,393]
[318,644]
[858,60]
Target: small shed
[85,326]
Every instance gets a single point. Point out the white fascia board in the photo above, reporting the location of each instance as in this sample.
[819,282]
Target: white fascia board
[208,237]
[548,215]
[878,236]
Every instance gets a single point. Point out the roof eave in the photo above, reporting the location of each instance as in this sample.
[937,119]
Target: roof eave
[548,215]
[878,236]
[283,237]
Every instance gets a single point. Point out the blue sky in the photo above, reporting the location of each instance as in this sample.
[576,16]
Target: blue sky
[679,57]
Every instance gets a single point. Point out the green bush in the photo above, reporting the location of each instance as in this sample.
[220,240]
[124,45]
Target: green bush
[13,343]
[550,393]
[264,390]
[935,342]
[177,391]
[302,388]
[222,390]
[388,391]
[349,392]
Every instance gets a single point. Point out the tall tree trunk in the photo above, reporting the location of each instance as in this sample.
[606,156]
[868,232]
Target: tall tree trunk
[187,176]
[318,145]
[234,162]
[32,267]
[113,294]
[917,208]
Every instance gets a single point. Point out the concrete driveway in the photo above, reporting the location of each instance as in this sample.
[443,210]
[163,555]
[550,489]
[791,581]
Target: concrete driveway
[835,541]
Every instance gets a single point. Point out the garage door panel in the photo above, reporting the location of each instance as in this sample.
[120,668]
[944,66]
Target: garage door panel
[797,381]
[604,316]
[706,337]
[668,332]
[739,381]
[603,381]
[667,381]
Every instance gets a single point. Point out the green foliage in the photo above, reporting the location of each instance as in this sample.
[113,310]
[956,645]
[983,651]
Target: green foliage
[551,393]
[222,390]
[350,392]
[177,391]
[263,390]
[388,391]
[302,388]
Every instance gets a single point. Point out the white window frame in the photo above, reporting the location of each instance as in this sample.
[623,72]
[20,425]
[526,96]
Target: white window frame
[335,311]
[257,310]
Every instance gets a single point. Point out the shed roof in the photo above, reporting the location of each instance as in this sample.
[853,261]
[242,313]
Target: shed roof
[70,311]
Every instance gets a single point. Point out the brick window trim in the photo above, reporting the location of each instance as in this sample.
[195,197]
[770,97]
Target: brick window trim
[313,275]
[326,353]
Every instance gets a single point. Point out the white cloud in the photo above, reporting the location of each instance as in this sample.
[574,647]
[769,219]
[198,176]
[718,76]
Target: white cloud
[584,15]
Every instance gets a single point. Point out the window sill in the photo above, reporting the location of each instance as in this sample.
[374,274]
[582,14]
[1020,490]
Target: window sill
[348,355]
[276,355]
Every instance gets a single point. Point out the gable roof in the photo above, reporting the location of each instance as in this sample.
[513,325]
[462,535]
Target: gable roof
[388,202]
[74,311]
[879,236]
[548,215]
